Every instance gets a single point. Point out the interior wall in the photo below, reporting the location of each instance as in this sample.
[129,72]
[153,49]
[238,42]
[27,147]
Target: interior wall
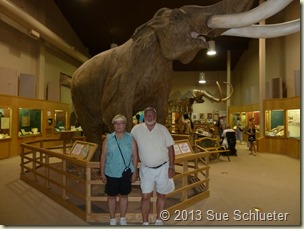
[26,55]
[55,64]
[292,50]
[18,51]
[245,76]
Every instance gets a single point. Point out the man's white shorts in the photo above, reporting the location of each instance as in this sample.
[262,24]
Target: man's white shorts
[150,177]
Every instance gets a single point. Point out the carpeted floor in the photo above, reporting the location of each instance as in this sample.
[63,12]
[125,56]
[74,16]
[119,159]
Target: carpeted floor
[268,182]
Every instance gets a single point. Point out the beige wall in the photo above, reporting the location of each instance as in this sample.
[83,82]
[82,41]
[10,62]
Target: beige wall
[22,53]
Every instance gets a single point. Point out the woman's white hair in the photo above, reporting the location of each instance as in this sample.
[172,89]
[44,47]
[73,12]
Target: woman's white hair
[119,117]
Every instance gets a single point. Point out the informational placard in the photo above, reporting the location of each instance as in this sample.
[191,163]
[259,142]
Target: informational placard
[5,123]
[83,150]
[176,149]
[182,147]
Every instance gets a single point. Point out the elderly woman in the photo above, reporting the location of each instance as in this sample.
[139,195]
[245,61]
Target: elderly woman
[118,165]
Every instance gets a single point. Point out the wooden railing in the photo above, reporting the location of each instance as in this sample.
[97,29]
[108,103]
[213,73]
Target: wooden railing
[210,145]
[75,184]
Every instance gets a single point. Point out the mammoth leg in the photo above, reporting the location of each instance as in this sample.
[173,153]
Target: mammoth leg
[161,107]
[94,134]
[91,126]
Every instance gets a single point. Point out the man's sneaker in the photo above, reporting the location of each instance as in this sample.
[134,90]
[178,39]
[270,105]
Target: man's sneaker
[159,222]
[145,223]
[123,221]
[112,221]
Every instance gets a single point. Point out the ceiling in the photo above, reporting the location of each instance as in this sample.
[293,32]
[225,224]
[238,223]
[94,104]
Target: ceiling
[98,23]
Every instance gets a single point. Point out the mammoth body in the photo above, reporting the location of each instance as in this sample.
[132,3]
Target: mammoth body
[137,74]
[122,80]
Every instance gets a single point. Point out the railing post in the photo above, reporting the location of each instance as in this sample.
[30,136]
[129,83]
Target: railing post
[22,159]
[88,191]
[64,180]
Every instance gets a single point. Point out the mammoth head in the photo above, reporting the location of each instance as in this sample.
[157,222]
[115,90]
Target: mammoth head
[200,94]
[181,33]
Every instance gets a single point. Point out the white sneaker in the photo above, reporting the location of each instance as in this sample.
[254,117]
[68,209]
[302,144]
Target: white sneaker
[145,223]
[159,222]
[123,221]
[113,222]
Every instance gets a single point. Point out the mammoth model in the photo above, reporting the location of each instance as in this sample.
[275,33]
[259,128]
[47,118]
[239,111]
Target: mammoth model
[199,95]
[138,73]
[185,105]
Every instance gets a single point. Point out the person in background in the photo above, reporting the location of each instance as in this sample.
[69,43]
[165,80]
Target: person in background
[188,124]
[119,150]
[224,137]
[156,153]
[239,130]
[221,125]
[137,120]
[251,131]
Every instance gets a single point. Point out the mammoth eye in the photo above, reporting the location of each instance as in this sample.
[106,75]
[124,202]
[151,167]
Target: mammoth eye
[174,15]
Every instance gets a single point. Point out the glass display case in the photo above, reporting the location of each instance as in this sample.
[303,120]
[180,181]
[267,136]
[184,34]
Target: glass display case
[60,120]
[293,123]
[5,123]
[274,123]
[256,116]
[29,122]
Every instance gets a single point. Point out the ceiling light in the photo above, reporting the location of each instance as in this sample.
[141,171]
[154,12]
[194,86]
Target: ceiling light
[201,78]
[211,50]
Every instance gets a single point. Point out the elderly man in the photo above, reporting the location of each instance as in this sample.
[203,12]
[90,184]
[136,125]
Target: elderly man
[156,153]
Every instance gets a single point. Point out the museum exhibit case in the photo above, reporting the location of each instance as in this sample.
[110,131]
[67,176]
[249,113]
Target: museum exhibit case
[25,119]
[60,120]
[274,123]
[234,116]
[29,122]
[293,123]
[282,127]
[244,113]
[5,123]
[5,131]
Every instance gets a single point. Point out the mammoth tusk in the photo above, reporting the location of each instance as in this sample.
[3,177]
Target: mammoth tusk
[220,99]
[220,91]
[231,92]
[265,31]
[211,97]
[201,93]
[261,12]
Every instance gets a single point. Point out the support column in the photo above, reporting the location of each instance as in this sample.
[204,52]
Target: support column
[262,73]
[228,79]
